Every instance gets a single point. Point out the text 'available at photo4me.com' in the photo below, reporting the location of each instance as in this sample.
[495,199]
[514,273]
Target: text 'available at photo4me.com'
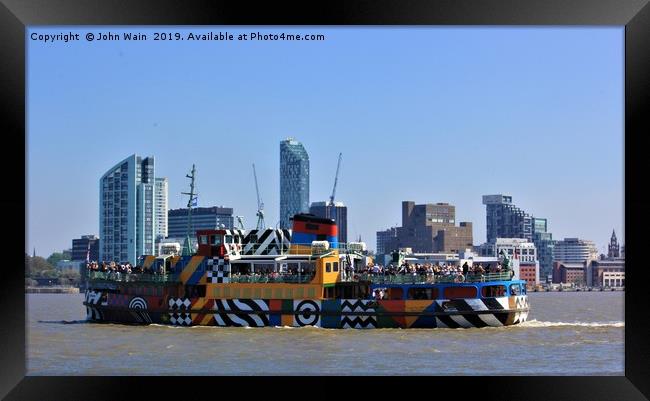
[218,36]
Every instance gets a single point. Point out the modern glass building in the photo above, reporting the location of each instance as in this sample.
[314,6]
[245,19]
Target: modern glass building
[338,212]
[294,181]
[127,210]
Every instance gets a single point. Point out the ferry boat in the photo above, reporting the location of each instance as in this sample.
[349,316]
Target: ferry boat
[299,277]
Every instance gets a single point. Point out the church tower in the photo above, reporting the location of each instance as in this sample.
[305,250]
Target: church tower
[613,248]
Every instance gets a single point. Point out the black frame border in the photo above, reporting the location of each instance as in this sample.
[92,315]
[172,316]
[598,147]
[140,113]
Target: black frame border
[16,15]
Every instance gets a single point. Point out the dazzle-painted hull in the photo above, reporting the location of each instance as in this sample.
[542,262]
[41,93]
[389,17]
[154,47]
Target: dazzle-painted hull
[334,313]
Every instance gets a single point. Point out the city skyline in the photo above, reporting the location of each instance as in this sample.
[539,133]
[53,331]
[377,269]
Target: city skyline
[546,102]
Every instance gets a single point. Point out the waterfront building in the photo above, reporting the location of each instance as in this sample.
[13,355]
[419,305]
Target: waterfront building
[294,181]
[127,210]
[203,218]
[569,273]
[613,248]
[609,272]
[383,237]
[430,228]
[505,220]
[338,212]
[574,250]
[522,254]
[545,244]
[85,247]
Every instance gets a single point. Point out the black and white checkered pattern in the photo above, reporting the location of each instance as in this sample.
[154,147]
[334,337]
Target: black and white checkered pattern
[178,317]
[218,271]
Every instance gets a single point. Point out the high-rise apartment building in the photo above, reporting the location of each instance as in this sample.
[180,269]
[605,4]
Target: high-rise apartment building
[127,210]
[294,181]
[338,212]
[505,220]
[161,207]
[203,218]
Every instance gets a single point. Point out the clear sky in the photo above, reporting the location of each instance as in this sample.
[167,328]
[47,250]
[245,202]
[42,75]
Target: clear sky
[425,114]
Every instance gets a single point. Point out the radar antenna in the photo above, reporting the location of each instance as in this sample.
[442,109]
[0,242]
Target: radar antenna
[187,247]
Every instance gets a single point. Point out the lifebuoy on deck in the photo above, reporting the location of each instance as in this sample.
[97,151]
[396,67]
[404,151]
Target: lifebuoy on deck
[460,278]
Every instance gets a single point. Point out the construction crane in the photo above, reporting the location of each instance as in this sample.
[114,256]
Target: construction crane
[336,179]
[260,204]
[240,222]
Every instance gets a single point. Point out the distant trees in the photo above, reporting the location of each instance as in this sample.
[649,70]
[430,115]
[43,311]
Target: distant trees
[56,257]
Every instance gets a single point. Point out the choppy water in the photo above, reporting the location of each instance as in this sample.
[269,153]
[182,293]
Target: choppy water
[568,334]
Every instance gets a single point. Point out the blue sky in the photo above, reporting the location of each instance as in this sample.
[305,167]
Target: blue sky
[425,114]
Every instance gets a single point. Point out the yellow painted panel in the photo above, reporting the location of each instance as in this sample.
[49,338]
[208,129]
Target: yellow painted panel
[190,268]
[267,293]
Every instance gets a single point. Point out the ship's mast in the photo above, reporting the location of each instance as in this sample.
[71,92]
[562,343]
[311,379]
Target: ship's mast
[187,247]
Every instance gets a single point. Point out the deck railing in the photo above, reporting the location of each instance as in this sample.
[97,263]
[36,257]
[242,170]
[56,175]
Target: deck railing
[132,277]
[430,278]
[284,278]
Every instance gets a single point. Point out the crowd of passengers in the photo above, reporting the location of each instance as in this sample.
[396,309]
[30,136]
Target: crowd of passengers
[426,270]
[430,270]
[119,268]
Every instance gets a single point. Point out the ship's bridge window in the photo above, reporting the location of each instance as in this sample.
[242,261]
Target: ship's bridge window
[228,239]
[203,239]
[335,266]
[215,239]
[515,289]
[490,291]
[459,292]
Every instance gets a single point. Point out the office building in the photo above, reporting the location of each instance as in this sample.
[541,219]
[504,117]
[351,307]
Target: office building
[127,210]
[338,212]
[203,218]
[86,246]
[430,228]
[574,250]
[294,181]
[383,238]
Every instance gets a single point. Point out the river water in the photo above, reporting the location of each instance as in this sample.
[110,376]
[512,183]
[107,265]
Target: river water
[568,333]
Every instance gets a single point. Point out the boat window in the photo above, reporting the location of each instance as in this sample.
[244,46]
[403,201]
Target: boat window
[215,239]
[237,239]
[395,293]
[459,292]
[422,293]
[515,289]
[328,267]
[228,239]
[204,239]
[490,291]
[336,266]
